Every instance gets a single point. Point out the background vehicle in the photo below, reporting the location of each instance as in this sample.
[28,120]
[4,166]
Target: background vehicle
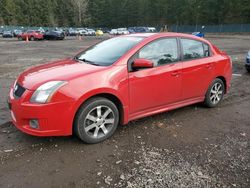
[105,30]
[95,91]
[31,35]
[139,29]
[7,34]
[17,32]
[54,35]
[41,30]
[99,32]
[90,32]
[198,34]
[72,32]
[152,29]
[122,31]
[248,61]
[131,30]
[113,32]
[81,31]
[1,31]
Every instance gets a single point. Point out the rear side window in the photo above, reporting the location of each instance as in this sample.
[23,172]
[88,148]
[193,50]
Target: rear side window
[193,49]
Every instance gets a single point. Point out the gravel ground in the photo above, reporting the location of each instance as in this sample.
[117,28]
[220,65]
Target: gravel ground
[188,147]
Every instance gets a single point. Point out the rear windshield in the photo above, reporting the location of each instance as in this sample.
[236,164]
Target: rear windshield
[109,51]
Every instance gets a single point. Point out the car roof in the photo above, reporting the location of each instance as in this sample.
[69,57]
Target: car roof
[167,34]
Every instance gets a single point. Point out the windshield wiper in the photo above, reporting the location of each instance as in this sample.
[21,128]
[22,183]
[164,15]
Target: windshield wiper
[87,61]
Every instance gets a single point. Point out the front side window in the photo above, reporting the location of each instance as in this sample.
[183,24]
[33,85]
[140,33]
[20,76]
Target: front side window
[109,51]
[193,49]
[160,52]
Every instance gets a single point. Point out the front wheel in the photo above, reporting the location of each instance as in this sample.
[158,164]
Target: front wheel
[214,93]
[96,120]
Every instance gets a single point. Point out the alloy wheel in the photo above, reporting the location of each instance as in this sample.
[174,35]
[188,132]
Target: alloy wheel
[216,93]
[99,121]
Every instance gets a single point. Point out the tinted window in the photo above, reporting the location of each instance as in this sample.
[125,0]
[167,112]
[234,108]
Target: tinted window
[192,49]
[161,52]
[109,51]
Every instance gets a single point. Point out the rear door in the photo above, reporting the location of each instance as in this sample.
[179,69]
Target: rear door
[198,66]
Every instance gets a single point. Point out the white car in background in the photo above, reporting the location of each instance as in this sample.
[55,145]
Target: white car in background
[122,31]
[113,32]
[81,31]
[152,29]
[90,32]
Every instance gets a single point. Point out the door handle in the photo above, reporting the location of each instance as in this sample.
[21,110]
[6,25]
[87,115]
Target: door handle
[208,66]
[175,73]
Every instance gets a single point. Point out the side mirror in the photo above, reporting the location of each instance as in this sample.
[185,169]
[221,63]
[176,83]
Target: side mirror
[142,63]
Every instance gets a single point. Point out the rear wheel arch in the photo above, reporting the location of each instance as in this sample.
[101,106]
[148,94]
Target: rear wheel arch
[215,92]
[222,78]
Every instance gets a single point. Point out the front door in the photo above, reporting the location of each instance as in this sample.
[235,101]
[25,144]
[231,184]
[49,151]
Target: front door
[158,86]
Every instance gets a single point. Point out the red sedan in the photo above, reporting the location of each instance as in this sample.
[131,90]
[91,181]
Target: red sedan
[116,81]
[31,35]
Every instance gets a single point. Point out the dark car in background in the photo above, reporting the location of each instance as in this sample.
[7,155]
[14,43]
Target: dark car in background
[138,30]
[71,32]
[248,61]
[17,32]
[54,35]
[7,34]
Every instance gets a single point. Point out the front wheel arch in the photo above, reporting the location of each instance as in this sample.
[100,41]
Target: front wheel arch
[108,96]
[84,111]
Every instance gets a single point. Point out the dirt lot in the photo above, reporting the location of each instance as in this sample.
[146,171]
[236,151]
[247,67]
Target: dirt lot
[189,147]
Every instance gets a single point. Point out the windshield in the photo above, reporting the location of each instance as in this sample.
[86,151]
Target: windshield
[109,51]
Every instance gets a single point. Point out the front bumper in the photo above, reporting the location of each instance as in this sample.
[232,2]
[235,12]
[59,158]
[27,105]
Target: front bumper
[55,119]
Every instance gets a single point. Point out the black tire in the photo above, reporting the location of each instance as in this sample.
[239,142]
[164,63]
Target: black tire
[212,98]
[248,70]
[90,108]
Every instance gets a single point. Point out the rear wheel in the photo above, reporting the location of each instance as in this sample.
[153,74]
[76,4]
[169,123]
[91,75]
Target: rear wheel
[214,93]
[96,120]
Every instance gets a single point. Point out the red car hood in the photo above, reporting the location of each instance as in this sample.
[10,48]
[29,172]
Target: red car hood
[59,70]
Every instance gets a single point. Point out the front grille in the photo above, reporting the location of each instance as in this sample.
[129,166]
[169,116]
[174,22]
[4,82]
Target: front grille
[18,90]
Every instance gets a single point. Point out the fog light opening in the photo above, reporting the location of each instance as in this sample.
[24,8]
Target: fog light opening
[34,124]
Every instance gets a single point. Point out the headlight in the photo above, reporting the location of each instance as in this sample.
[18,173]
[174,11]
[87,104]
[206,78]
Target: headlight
[44,93]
